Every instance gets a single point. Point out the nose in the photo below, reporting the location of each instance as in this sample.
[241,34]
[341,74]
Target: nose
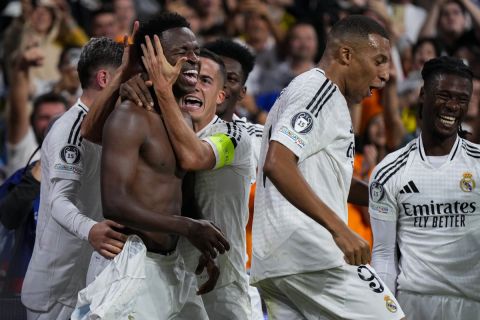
[384,74]
[192,57]
[453,104]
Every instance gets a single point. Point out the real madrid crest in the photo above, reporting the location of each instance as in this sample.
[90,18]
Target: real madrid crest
[376,191]
[467,184]
[70,154]
[390,304]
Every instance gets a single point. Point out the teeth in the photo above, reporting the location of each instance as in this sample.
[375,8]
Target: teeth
[191,73]
[447,120]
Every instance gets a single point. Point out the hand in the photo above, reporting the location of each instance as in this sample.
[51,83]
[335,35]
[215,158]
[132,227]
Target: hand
[136,90]
[128,66]
[105,240]
[213,273]
[31,56]
[356,250]
[160,71]
[207,238]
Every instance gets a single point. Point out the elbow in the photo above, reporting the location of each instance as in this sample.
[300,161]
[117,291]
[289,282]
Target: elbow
[270,168]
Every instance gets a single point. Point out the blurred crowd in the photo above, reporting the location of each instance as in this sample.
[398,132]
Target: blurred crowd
[41,41]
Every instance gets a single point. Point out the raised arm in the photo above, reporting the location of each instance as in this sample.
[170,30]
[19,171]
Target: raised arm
[123,136]
[429,28]
[18,114]
[282,170]
[192,153]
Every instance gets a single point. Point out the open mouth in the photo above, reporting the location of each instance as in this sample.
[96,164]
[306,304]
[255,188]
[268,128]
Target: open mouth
[447,121]
[190,77]
[191,103]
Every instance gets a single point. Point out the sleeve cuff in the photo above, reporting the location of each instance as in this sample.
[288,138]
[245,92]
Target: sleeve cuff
[84,230]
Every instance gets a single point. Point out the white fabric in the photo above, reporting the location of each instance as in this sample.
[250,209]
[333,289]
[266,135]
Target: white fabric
[222,196]
[426,307]
[346,292]
[96,266]
[384,256]
[255,131]
[58,311]
[437,213]
[230,302]
[256,303]
[437,161]
[19,153]
[112,294]
[68,209]
[138,284]
[312,119]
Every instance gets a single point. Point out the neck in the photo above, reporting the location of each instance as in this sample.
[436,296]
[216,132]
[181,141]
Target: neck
[434,146]
[331,68]
[228,114]
[88,96]
[200,124]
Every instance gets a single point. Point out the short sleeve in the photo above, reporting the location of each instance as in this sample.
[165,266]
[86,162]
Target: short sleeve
[382,204]
[304,117]
[230,144]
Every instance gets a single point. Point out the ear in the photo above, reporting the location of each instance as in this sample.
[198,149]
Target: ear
[220,97]
[102,78]
[345,55]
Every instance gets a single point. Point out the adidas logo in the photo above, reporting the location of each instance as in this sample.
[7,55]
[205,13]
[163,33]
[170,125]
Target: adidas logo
[410,188]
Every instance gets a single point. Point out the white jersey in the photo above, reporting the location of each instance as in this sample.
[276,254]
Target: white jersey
[311,118]
[61,254]
[437,215]
[255,132]
[222,193]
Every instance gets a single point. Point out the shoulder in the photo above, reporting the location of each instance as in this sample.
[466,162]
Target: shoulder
[472,150]
[252,129]
[393,163]
[67,128]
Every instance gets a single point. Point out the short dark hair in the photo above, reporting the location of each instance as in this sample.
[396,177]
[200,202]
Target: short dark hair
[233,50]
[433,41]
[357,25]
[445,65]
[49,97]
[97,53]
[205,53]
[163,22]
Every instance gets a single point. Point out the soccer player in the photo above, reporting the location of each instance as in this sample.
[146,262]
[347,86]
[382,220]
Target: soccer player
[424,203]
[221,153]
[306,262]
[141,185]
[239,62]
[68,227]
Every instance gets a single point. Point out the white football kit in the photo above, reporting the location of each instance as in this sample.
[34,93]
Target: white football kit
[433,214]
[222,196]
[69,207]
[311,118]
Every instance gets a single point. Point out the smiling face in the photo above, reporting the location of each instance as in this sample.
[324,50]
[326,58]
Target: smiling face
[202,103]
[445,103]
[234,88]
[178,43]
[368,69]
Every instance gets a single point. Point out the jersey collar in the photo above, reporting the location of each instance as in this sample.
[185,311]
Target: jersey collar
[451,156]
[214,120]
[81,105]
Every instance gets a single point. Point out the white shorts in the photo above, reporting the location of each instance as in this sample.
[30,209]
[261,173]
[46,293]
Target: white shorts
[58,311]
[347,292]
[426,307]
[96,266]
[256,303]
[228,302]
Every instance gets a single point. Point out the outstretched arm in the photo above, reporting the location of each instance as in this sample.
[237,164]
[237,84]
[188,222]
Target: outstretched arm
[282,170]
[192,153]
[123,136]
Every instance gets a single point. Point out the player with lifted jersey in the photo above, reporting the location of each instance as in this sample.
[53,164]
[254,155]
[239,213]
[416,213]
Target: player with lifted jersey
[424,201]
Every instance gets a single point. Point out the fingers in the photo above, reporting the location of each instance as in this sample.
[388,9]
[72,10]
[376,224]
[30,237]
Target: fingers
[112,223]
[128,92]
[202,263]
[213,275]
[136,25]
[224,242]
[158,46]
[143,92]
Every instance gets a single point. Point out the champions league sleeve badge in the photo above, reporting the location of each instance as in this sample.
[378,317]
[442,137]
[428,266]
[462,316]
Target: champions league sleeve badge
[302,122]
[377,192]
[70,155]
[467,184]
